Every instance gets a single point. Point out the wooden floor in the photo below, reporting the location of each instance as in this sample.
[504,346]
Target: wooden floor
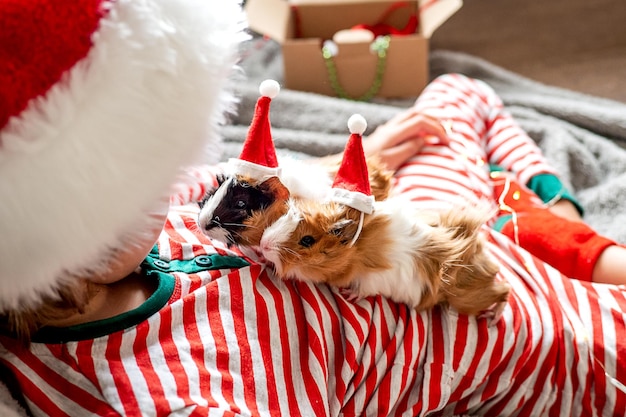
[574,44]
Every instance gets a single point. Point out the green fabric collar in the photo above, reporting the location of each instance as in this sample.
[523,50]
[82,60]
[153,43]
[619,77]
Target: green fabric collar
[153,268]
[123,321]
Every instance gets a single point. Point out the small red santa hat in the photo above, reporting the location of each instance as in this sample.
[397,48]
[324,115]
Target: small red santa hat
[102,104]
[351,186]
[258,156]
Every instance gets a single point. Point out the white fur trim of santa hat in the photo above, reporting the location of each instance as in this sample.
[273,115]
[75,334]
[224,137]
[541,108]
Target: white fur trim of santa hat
[82,166]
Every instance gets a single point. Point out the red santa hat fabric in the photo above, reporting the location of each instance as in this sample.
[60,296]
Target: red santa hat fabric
[102,104]
[351,185]
[258,157]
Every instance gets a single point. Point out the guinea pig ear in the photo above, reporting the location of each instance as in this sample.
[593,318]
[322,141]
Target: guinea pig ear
[275,187]
[345,229]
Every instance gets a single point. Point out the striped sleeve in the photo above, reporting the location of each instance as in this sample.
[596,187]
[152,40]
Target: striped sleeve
[193,184]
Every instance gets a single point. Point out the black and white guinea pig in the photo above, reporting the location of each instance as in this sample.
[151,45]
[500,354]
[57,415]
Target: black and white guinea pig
[239,209]
[421,259]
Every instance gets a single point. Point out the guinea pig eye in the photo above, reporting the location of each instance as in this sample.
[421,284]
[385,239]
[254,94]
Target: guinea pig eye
[241,204]
[307,241]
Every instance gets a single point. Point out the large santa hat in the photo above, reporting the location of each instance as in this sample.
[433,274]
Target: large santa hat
[102,104]
[351,186]
[258,156]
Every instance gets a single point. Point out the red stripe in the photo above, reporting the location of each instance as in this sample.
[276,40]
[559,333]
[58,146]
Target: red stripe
[418,407]
[370,374]
[564,370]
[197,348]
[489,109]
[460,341]
[392,344]
[473,95]
[170,352]
[222,355]
[306,335]
[85,362]
[285,351]
[620,349]
[144,362]
[419,179]
[240,310]
[435,369]
[175,240]
[512,151]
[411,350]
[598,351]
[121,380]
[496,360]
[554,359]
[336,333]
[56,379]
[263,328]
[319,343]
[349,313]
[34,394]
[531,367]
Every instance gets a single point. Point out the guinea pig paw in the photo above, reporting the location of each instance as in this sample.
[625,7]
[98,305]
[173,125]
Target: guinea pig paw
[494,314]
[260,257]
[350,295]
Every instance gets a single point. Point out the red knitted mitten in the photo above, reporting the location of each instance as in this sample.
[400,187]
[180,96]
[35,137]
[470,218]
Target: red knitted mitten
[571,247]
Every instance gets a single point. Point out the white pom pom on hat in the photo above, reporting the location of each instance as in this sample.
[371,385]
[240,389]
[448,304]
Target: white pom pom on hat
[269,88]
[110,101]
[357,124]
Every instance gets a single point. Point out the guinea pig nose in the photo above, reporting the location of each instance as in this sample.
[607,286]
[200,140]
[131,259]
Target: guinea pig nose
[215,222]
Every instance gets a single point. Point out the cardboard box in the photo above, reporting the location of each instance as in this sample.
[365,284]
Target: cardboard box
[302,26]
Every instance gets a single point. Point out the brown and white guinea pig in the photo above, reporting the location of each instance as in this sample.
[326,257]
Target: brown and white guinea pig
[417,258]
[239,209]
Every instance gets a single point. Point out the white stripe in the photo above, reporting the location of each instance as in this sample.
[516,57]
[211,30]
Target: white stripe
[258,366]
[274,334]
[106,380]
[165,250]
[139,385]
[210,348]
[609,306]
[187,235]
[158,360]
[183,348]
[234,352]
[304,402]
[64,403]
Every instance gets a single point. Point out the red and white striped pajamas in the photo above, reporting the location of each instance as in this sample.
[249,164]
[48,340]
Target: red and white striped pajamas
[237,341]
[481,132]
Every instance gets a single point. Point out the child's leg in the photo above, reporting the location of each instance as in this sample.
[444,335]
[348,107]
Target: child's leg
[450,174]
[481,132]
[505,142]
[610,266]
